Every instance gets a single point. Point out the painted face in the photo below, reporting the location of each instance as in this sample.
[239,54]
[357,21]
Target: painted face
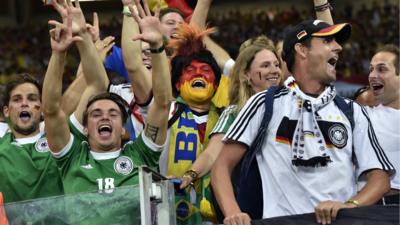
[24,110]
[169,24]
[197,83]
[383,79]
[322,57]
[264,71]
[104,128]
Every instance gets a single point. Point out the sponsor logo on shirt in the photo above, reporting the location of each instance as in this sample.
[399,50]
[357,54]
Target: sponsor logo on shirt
[41,145]
[123,165]
[88,166]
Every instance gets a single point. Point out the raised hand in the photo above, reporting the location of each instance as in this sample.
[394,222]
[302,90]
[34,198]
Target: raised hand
[67,8]
[104,46]
[149,25]
[94,29]
[61,36]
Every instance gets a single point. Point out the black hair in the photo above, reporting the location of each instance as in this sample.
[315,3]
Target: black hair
[180,62]
[289,56]
[165,11]
[122,105]
[395,51]
[20,79]
[359,92]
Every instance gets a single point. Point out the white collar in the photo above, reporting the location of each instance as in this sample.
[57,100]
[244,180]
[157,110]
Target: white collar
[28,140]
[105,155]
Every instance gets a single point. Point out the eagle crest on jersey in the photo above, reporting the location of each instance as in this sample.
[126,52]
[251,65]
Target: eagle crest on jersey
[42,145]
[123,165]
[338,135]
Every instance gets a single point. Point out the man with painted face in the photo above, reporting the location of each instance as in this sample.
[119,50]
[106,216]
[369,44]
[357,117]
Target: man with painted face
[195,79]
[27,169]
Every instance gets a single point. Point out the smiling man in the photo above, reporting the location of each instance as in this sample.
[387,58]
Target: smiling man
[27,169]
[384,81]
[306,159]
[195,79]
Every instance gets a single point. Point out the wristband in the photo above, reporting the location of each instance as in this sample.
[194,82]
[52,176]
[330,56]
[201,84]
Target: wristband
[158,50]
[192,174]
[354,202]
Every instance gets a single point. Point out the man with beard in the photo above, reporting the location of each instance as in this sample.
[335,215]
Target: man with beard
[27,169]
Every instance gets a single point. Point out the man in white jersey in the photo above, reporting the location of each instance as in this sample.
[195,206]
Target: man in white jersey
[384,81]
[306,162]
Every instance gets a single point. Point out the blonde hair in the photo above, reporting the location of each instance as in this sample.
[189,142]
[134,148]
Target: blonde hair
[240,91]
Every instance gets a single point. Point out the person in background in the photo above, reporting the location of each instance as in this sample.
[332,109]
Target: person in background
[384,81]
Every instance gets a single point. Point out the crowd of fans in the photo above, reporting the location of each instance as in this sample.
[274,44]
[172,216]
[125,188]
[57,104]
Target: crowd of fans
[373,26]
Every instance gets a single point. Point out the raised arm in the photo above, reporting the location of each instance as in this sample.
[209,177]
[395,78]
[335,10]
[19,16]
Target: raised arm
[92,66]
[199,18]
[72,95]
[323,11]
[221,182]
[138,74]
[57,129]
[157,120]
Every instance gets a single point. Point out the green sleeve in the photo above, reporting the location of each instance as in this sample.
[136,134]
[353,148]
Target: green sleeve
[225,120]
[142,153]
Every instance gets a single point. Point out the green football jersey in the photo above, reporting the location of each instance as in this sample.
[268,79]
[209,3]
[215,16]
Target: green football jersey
[82,172]
[225,120]
[27,169]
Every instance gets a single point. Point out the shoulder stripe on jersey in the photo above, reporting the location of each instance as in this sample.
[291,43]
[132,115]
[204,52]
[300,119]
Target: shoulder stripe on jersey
[248,113]
[386,164]
[221,121]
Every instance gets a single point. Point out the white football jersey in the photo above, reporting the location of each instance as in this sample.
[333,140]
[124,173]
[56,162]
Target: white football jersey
[290,190]
[386,123]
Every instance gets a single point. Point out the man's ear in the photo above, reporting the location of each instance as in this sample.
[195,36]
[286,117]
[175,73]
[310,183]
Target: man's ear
[85,131]
[5,111]
[123,132]
[300,49]
[178,86]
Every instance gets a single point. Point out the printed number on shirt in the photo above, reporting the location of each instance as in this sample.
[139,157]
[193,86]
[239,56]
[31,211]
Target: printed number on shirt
[106,184]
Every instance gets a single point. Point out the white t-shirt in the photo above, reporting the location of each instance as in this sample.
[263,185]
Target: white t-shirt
[386,124]
[290,190]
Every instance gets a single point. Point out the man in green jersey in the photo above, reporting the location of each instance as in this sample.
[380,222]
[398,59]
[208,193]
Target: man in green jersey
[99,163]
[27,169]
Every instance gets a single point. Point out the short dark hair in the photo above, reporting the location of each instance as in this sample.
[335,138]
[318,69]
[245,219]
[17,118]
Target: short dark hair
[289,57]
[122,105]
[20,79]
[179,62]
[359,92]
[395,51]
[165,11]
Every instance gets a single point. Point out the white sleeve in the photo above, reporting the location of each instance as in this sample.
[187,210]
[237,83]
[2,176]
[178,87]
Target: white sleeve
[228,66]
[64,150]
[245,127]
[369,153]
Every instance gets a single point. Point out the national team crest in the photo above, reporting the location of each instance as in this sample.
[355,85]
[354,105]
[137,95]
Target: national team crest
[123,165]
[41,145]
[338,135]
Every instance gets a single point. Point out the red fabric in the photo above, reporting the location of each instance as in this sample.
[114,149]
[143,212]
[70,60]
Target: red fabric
[181,5]
[201,128]
[3,217]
